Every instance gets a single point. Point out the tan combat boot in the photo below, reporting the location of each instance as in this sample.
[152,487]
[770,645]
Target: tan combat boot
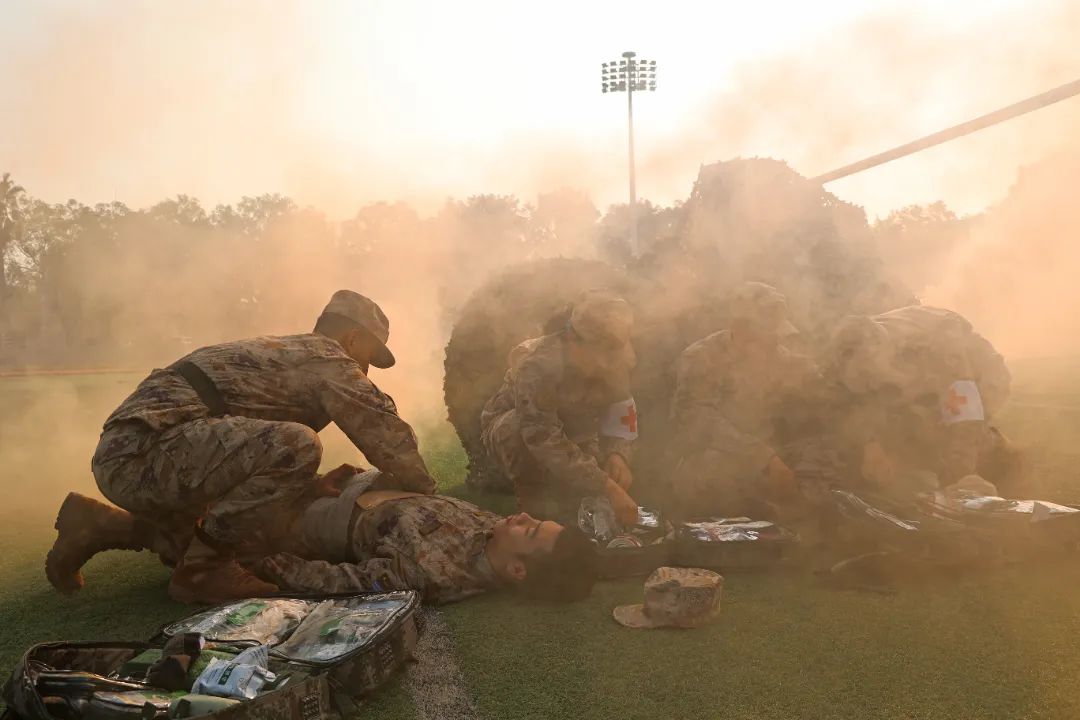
[86,527]
[210,576]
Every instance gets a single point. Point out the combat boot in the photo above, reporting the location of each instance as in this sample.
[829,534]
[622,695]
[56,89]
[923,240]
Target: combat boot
[211,576]
[86,527]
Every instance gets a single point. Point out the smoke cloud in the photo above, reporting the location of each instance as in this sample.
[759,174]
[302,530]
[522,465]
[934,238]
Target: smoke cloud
[147,98]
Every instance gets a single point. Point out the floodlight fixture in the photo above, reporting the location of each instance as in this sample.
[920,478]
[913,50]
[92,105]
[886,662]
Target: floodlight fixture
[629,75]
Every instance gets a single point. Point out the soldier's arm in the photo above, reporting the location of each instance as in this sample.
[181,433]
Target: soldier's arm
[961,455]
[296,574]
[963,410]
[536,404]
[616,446]
[369,418]
[990,372]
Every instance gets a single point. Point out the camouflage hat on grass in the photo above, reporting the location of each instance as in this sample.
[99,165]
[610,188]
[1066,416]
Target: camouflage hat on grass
[763,306]
[675,597]
[365,313]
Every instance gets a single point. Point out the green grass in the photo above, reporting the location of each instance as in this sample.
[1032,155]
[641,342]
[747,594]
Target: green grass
[1004,644]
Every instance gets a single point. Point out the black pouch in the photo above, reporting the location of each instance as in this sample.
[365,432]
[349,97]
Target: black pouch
[327,652]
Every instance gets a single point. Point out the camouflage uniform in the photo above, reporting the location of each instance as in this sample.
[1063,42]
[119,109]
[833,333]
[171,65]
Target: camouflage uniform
[542,427]
[733,411]
[918,416]
[162,454]
[431,543]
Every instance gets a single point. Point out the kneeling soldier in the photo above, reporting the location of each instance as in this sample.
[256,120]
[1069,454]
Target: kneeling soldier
[221,445]
[562,424]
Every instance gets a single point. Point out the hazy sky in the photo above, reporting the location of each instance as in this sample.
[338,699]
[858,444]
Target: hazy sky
[340,103]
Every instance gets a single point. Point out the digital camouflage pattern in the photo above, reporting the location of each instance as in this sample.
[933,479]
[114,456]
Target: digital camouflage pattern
[734,409]
[542,426]
[429,543]
[675,597]
[927,350]
[162,454]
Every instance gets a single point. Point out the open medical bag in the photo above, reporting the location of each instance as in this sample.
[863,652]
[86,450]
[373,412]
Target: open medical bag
[323,653]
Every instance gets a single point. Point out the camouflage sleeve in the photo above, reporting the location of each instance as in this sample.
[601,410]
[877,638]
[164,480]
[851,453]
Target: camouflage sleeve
[991,373]
[616,446]
[961,357]
[698,412]
[536,404]
[296,574]
[961,453]
[370,420]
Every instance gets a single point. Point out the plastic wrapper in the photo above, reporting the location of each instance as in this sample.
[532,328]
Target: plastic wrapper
[854,506]
[732,530]
[992,506]
[266,621]
[337,627]
[242,677]
[648,519]
[104,705]
[596,518]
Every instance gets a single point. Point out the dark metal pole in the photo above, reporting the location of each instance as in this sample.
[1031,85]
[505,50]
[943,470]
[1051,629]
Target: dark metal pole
[1050,97]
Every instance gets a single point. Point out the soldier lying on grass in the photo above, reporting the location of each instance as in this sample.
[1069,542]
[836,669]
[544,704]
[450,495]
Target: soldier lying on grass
[374,536]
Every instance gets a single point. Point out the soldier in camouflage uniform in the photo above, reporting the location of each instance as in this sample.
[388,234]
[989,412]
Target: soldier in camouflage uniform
[920,387]
[544,424]
[375,537]
[224,443]
[741,411]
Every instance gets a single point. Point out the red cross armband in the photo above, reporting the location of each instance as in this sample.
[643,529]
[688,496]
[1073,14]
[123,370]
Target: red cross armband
[962,403]
[620,420]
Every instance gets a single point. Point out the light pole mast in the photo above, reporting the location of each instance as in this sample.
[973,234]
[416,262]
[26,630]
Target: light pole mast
[628,75]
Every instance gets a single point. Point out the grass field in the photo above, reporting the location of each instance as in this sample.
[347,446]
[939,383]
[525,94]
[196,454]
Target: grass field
[999,645]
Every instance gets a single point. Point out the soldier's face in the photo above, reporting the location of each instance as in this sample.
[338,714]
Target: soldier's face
[525,535]
[361,348]
[520,536]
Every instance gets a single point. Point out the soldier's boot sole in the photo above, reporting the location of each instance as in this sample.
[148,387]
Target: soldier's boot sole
[84,528]
[216,582]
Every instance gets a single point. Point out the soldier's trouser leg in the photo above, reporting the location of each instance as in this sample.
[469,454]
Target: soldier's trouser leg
[242,475]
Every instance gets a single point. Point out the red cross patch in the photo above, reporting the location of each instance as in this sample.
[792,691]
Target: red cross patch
[620,420]
[962,403]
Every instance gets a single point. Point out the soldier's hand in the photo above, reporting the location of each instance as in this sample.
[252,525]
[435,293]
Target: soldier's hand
[626,509]
[618,470]
[329,484]
[781,479]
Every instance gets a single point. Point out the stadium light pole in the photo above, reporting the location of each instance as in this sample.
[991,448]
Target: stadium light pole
[629,75]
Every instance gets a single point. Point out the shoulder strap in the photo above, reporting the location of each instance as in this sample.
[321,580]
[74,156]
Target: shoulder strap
[202,385]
